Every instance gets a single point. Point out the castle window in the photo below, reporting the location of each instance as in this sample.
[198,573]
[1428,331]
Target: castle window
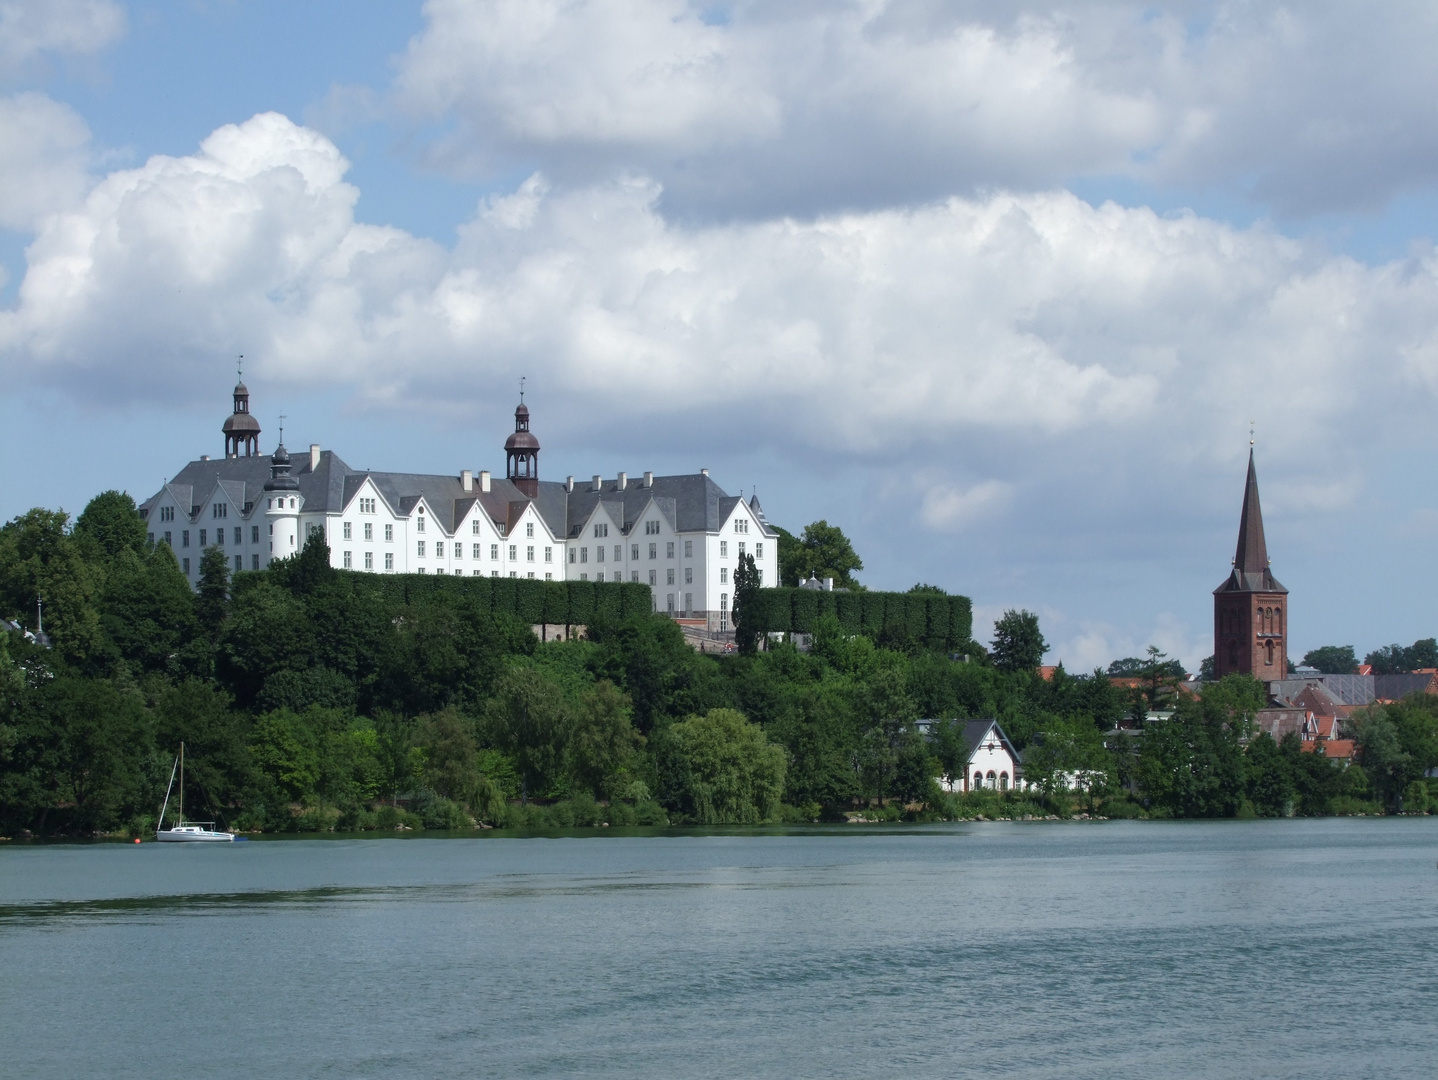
[254,562]
[478,549]
[420,549]
[548,577]
[348,561]
[654,577]
[389,560]
[494,551]
[669,550]
[689,549]
[601,530]
[389,534]
[723,575]
[548,557]
[723,549]
[474,528]
[239,563]
[599,553]
[458,550]
[618,552]
[150,537]
[202,538]
[634,576]
[689,575]
[651,528]
[369,530]
[741,549]
[669,576]
[529,553]
[758,551]
[346,531]
[187,565]
[369,560]
[254,534]
[529,529]
[599,576]
[513,553]
[167,513]
[584,555]
[654,551]
[420,526]
[1268,653]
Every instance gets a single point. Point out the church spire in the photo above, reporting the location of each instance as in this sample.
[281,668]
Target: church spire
[1252,554]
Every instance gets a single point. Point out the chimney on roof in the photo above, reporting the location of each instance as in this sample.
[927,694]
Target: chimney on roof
[623,481]
[466,480]
[648,479]
[828,584]
[314,456]
[569,483]
[703,472]
[484,480]
[598,483]
[204,457]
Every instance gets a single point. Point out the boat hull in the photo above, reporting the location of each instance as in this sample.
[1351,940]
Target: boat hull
[199,836]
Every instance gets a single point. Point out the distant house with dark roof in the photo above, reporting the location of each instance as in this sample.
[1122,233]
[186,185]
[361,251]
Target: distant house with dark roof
[681,535]
[992,760]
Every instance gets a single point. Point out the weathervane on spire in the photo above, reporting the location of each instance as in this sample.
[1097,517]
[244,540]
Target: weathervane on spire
[1250,433]
[240,368]
[521,389]
[282,429]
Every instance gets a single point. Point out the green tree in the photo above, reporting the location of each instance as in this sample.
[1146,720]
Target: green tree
[286,749]
[1396,659]
[212,600]
[1069,754]
[528,719]
[823,551]
[1018,645]
[147,611]
[1332,659]
[40,559]
[719,768]
[746,593]
[451,755]
[112,523]
[602,741]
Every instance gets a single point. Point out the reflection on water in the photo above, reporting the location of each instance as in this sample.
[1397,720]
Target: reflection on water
[1100,949]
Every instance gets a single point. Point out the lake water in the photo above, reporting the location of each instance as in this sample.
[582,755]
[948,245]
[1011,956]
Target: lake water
[1098,949]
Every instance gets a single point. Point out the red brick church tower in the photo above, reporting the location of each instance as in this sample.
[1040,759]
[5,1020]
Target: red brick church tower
[1250,625]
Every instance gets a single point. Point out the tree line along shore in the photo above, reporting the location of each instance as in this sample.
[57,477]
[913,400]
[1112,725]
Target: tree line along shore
[311,698]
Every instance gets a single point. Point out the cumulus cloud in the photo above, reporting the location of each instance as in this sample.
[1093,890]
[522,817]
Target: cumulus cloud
[946,508]
[45,163]
[31,29]
[1034,317]
[804,109]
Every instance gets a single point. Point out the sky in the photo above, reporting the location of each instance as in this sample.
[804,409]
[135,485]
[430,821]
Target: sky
[1000,289]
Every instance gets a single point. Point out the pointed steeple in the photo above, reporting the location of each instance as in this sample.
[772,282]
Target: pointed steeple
[1252,554]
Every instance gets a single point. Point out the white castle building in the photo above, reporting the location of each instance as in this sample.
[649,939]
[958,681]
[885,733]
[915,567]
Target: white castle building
[680,535]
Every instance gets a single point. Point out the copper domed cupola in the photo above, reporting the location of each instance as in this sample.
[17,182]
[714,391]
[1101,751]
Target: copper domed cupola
[521,452]
[241,429]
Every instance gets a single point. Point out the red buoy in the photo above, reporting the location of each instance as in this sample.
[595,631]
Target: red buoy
[137,839]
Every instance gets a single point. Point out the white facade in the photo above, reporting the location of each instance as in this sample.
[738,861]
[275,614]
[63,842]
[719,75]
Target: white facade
[993,762]
[680,535]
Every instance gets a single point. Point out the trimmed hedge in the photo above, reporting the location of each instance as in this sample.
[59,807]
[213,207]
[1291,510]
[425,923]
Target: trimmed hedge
[530,601]
[941,623]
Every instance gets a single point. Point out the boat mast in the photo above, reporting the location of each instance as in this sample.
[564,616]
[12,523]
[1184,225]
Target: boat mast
[182,783]
[168,789]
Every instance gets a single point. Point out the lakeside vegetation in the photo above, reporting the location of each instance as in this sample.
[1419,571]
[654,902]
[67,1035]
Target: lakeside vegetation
[310,698]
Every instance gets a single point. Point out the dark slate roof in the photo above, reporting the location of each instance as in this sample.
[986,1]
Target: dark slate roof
[1250,559]
[1355,689]
[976,730]
[691,503]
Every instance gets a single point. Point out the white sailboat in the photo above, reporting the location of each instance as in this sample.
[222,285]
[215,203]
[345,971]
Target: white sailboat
[187,831]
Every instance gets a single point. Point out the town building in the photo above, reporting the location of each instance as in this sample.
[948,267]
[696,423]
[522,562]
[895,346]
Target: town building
[681,535]
[992,761]
[1250,623]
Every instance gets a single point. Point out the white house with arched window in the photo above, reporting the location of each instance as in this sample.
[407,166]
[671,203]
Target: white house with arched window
[993,761]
